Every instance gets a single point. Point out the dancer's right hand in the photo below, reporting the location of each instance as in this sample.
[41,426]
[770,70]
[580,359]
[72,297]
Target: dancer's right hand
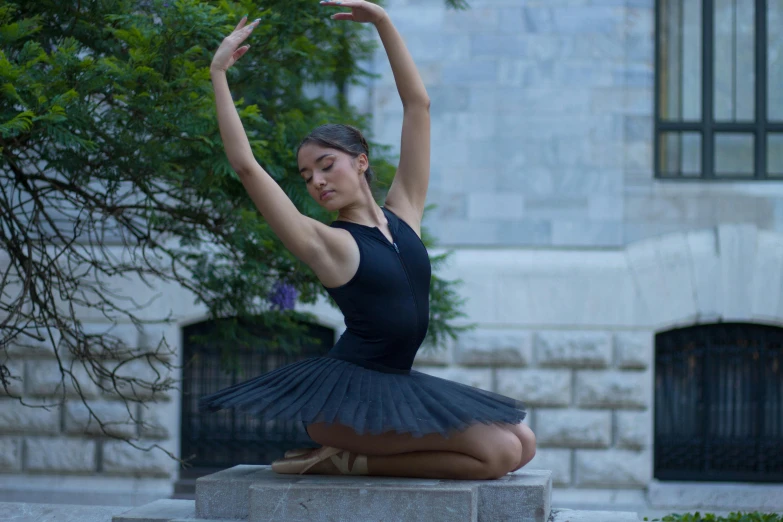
[229,51]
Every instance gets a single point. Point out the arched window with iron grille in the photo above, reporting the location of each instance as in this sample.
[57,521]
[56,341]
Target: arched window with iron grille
[719,403]
[219,440]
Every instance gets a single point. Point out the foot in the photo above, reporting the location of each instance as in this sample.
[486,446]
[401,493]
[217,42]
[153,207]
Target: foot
[298,452]
[344,463]
[323,461]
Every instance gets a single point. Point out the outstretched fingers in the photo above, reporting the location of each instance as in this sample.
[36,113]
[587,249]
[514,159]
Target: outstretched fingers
[241,24]
[231,48]
[241,33]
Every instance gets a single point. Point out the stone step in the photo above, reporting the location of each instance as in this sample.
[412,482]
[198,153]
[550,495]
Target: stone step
[159,511]
[571,515]
[185,487]
[258,494]
[32,512]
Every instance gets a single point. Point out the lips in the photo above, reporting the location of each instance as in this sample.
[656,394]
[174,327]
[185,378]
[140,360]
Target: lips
[326,193]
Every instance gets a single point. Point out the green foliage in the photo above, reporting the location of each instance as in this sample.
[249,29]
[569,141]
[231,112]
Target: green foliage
[108,134]
[732,517]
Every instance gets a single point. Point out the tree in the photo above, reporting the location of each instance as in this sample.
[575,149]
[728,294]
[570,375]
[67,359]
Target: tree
[113,169]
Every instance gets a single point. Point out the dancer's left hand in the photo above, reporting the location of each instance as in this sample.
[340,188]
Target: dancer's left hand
[361,11]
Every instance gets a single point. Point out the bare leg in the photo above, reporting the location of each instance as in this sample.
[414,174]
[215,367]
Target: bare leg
[528,440]
[435,464]
[479,452]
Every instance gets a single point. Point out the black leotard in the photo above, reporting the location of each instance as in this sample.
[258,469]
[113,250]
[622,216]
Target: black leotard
[386,303]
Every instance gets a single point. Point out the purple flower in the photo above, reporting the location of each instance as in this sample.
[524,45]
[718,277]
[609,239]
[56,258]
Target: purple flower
[283,296]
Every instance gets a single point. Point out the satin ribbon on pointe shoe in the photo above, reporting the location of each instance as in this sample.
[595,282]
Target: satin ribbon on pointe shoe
[340,459]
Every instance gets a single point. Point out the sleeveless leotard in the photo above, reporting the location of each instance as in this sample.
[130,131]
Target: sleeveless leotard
[386,303]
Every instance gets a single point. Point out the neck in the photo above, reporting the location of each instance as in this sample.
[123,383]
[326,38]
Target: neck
[364,210]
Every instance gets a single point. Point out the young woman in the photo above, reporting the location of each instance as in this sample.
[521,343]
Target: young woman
[362,402]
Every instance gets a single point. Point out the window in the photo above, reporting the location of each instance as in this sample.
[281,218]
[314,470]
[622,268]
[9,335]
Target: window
[719,403]
[719,90]
[219,440]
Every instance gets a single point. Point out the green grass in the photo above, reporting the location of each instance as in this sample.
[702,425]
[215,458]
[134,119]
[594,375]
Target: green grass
[709,517]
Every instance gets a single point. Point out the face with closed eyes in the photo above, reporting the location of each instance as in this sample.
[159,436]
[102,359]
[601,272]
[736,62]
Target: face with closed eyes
[332,176]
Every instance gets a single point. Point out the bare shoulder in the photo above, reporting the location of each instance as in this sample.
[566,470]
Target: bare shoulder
[407,212]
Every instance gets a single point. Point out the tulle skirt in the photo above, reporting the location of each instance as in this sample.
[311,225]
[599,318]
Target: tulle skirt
[369,400]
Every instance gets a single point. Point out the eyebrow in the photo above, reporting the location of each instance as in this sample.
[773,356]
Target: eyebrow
[319,159]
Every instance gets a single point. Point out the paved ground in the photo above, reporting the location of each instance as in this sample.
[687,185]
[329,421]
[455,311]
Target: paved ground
[20,512]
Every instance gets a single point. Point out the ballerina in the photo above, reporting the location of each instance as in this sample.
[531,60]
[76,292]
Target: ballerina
[370,412]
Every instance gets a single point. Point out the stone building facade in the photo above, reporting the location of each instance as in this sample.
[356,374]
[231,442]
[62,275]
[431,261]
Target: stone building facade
[574,255]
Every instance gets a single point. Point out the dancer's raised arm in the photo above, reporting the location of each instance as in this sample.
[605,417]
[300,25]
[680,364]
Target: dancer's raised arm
[408,191]
[306,238]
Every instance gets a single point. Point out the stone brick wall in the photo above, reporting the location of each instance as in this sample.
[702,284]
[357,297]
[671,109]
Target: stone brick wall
[53,433]
[588,394]
[542,126]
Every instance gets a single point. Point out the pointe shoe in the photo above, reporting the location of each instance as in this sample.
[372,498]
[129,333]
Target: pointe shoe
[300,465]
[342,462]
[298,452]
[340,459]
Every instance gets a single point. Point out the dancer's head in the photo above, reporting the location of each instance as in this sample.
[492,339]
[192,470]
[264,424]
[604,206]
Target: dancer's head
[334,162]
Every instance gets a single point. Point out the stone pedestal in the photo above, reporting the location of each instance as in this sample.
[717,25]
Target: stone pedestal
[258,494]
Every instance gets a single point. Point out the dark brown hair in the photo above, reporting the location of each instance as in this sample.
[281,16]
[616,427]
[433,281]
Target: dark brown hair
[341,137]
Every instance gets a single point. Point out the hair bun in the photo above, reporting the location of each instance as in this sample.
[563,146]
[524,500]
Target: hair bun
[360,137]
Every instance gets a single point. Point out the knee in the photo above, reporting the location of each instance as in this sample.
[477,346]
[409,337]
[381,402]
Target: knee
[527,440]
[503,456]
[528,447]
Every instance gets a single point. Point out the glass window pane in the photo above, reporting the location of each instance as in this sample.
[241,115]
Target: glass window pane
[734,60]
[745,61]
[733,154]
[679,76]
[680,154]
[775,60]
[775,155]
[691,60]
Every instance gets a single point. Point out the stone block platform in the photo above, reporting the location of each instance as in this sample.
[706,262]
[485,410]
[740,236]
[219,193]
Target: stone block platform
[257,494]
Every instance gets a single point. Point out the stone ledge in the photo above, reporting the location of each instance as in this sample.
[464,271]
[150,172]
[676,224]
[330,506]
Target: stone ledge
[23,512]
[92,489]
[159,511]
[727,496]
[257,493]
[205,520]
[343,500]
[570,515]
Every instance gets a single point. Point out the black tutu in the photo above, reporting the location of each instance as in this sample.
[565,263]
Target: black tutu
[331,390]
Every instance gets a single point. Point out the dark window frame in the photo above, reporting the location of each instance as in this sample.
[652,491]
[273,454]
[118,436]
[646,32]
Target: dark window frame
[718,403]
[707,127]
